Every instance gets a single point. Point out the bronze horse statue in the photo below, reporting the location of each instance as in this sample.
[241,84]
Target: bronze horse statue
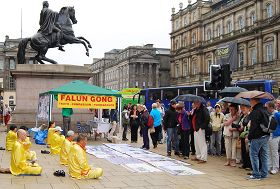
[41,43]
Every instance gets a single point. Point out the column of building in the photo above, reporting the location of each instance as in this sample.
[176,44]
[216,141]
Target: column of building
[150,73]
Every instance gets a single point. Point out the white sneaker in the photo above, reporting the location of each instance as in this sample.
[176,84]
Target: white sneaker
[252,178]
[273,172]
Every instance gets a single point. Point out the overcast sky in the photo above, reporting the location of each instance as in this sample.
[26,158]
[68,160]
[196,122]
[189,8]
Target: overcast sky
[107,24]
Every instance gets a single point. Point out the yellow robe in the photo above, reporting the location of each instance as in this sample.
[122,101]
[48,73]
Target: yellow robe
[30,155]
[78,164]
[50,135]
[19,165]
[65,148]
[56,143]
[11,138]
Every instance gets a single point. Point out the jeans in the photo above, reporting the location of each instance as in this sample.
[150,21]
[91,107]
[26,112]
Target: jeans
[216,137]
[155,135]
[185,140]
[160,135]
[124,130]
[145,132]
[273,153]
[172,136]
[259,147]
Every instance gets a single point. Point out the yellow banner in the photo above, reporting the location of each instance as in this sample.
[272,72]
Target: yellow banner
[86,101]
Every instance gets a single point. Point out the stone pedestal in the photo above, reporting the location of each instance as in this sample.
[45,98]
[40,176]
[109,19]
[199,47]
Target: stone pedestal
[33,79]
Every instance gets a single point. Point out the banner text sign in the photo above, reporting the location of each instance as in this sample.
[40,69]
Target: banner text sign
[86,101]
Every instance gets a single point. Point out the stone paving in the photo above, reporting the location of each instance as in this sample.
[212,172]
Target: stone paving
[118,177]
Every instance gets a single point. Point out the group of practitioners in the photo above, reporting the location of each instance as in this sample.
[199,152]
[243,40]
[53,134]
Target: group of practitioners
[71,149]
[236,129]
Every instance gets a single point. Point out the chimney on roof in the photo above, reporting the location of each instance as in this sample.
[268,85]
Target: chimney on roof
[6,38]
[149,45]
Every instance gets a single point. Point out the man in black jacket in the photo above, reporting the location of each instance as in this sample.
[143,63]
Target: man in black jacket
[170,124]
[200,121]
[258,140]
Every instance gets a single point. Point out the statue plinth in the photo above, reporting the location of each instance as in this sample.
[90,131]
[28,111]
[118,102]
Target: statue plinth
[33,79]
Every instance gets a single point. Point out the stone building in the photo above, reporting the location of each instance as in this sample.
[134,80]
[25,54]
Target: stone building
[8,62]
[200,28]
[134,66]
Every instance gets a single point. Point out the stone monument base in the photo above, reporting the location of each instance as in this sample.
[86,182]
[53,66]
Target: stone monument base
[33,79]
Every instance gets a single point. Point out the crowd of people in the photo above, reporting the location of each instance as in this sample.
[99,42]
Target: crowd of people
[236,132]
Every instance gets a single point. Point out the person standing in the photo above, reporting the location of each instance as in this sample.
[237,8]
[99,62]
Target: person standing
[7,114]
[274,140]
[114,120]
[134,123]
[170,124]
[216,120]
[143,122]
[155,113]
[66,114]
[231,134]
[200,121]
[125,122]
[183,118]
[258,140]
[161,110]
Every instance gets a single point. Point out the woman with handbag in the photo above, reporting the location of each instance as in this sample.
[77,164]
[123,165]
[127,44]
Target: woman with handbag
[231,134]
[155,113]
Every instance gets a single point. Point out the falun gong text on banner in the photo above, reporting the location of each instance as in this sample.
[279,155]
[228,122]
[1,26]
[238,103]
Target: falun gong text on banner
[86,101]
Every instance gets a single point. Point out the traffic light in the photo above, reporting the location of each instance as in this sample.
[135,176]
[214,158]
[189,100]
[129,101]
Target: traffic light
[226,75]
[220,77]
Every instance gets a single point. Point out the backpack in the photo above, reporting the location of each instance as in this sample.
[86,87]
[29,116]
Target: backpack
[150,122]
[270,123]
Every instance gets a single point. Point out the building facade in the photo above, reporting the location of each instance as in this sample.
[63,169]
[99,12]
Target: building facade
[200,28]
[134,66]
[8,62]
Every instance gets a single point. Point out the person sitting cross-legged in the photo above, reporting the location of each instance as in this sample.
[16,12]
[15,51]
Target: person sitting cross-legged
[57,141]
[19,164]
[65,148]
[11,137]
[78,163]
[30,155]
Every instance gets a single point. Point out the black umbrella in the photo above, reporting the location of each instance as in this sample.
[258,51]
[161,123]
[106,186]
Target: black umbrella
[235,100]
[231,91]
[189,98]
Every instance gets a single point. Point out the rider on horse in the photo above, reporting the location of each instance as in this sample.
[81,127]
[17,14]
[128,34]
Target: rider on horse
[48,24]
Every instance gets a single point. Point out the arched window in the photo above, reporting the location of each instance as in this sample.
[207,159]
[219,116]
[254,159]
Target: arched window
[229,26]
[218,31]
[252,18]
[241,23]
[269,11]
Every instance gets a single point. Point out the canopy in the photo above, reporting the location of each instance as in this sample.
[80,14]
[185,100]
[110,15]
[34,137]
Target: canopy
[80,87]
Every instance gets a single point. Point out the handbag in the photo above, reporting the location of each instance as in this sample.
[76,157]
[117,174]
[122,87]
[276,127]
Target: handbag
[152,130]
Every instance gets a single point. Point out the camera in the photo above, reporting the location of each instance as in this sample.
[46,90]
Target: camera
[235,126]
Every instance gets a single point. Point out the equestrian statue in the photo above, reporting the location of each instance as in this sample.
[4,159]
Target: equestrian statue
[55,31]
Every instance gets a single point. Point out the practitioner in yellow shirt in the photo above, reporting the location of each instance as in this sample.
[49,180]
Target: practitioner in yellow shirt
[30,155]
[11,137]
[19,164]
[65,148]
[78,163]
[50,132]
[57,141]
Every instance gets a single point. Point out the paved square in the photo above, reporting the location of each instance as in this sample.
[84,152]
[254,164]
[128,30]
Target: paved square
[115,176]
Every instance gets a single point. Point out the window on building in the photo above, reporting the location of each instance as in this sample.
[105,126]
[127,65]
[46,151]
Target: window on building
[252,18]
[193,38]
[136,83]
[269,52]
[12,64]
[253,56]
[209,34]
[1,64]
[194,68]
[185,20]
[12,85]
[218,30]
[177,24]
[241,23]
[241,58]
[269,11]
[229,27]
[176,71]
[209,63]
